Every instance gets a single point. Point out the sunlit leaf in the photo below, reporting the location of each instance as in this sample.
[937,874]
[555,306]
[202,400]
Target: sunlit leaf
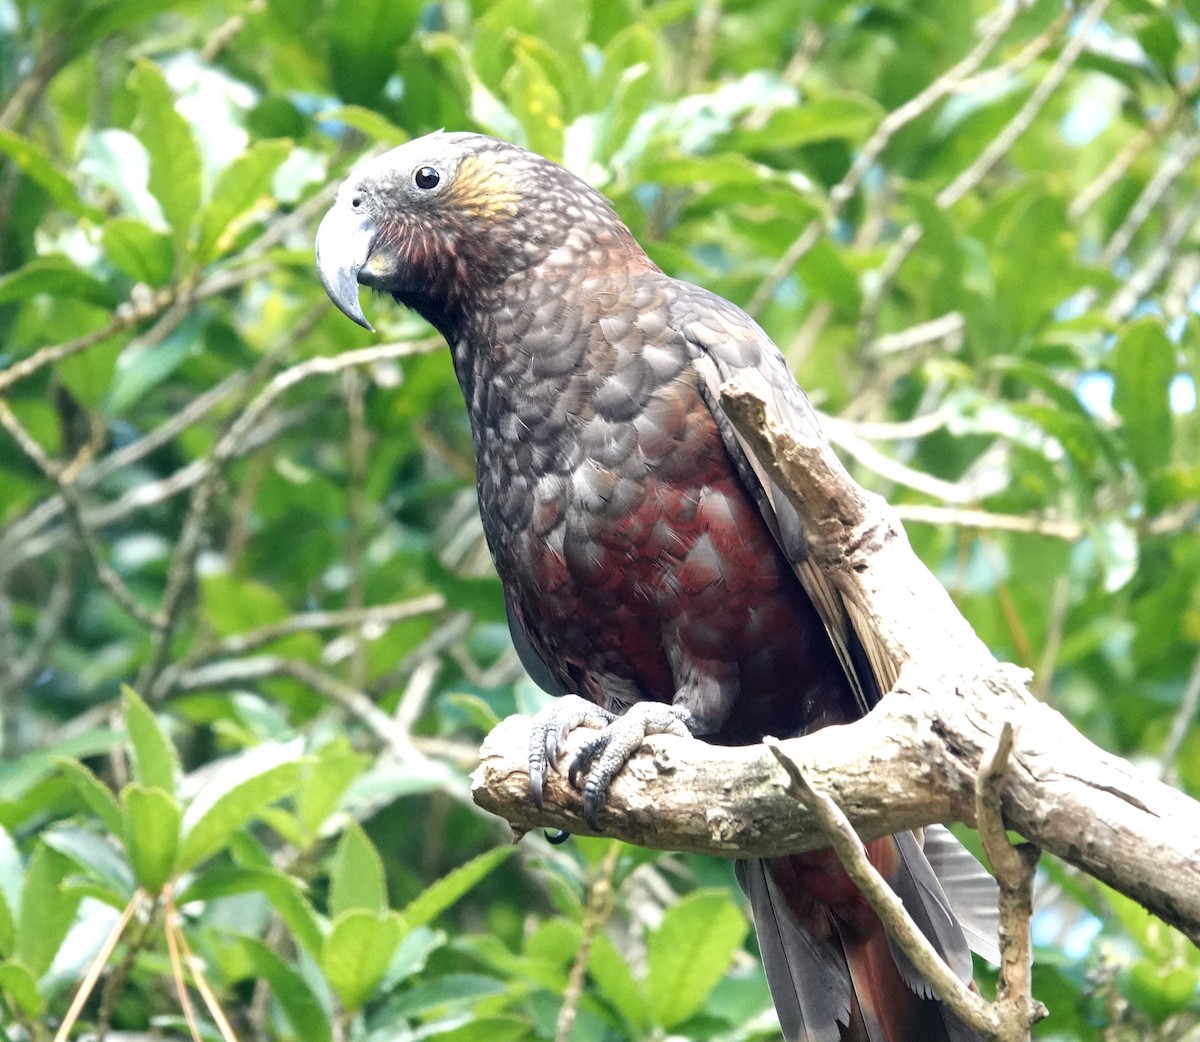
[357,952]
[144,254]
[55,276]
[1143,366]
[168,140]
[151,834]
[155,762]
[47,910]
[434,900]
[40,168]
[241,788]
[303,1009]
[357,879]
[689,953]
[242,186]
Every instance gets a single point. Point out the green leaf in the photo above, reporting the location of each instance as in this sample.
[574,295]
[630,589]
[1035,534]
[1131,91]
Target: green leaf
[242,187]
[300,1004]
[613,976]
[232,604]
[155,762]
[363,37]
[21,985]
[94,793]
[493,1029]
[19,777]
[151,834]
[357,879]
[336,766]
[1143,366]
[435,899]
[285,893]
[96,857]
[241,788]
[689,952]
[47,910]
[535,102]
[40,168]
[376,127]
[141,367]
[174,158]
[849,116]
[56,276]
[11,877]
[1162,991]
[144,254]
[357,951]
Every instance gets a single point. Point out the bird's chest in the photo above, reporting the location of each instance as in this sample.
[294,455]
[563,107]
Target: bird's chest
[619,526]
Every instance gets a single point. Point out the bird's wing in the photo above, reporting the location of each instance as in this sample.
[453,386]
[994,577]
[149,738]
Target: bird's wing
[727,342]
[540,673]
[949,884]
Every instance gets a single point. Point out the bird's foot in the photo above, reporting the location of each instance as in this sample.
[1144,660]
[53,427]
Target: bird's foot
[601,757]
[550,729]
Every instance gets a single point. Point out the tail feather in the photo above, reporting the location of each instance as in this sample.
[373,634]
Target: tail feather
[834,973]
[917,886]
[807,975]
[969,889]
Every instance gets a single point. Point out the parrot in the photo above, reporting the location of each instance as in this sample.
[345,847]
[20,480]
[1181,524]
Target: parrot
[654,577]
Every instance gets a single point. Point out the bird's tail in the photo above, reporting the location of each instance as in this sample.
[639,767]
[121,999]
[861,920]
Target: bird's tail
[835,975]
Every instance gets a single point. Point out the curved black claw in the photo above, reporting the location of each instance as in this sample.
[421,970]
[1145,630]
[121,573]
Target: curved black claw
[602,757]
[550,729]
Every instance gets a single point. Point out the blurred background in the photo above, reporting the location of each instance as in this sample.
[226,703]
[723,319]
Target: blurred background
[971,226]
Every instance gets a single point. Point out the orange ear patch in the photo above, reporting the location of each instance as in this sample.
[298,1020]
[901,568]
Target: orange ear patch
[484,186]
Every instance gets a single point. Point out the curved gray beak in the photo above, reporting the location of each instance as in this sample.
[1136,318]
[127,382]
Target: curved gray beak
[343,245]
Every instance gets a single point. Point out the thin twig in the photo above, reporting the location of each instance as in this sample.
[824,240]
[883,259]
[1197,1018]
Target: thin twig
[1025,116]
[1134,147]
[1168,172]
[357,447]
[889,126]
[1014,868]
[253,669]
[970,177]
[357,618]
[846,438]
[1181,724]
[97,967]
[19,670]
[105,573]
[26,526]
[966,1004]
[1151,270]
[1060,601]
[596,913]
[946,329]
[33,85]
[965,517]
[197,971]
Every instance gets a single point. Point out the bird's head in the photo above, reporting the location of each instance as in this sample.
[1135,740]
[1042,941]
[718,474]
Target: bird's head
[443,220]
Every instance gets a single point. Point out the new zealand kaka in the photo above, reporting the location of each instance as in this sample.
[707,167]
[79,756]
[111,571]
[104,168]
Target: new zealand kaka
[653,574]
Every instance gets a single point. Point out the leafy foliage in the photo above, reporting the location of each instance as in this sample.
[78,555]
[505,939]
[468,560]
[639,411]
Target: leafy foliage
[970,226]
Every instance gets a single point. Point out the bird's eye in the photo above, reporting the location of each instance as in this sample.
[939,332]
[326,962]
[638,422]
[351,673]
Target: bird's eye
[426,177]
[356,202]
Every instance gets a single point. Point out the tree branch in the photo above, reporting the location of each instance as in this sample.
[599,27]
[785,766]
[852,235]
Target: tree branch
[912,761]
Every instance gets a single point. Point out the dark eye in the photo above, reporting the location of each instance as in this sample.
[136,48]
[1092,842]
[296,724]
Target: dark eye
[426,177]
[356,202]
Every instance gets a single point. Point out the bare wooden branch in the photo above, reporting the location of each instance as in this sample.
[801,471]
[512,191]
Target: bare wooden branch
[915,759]
[1014,868]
